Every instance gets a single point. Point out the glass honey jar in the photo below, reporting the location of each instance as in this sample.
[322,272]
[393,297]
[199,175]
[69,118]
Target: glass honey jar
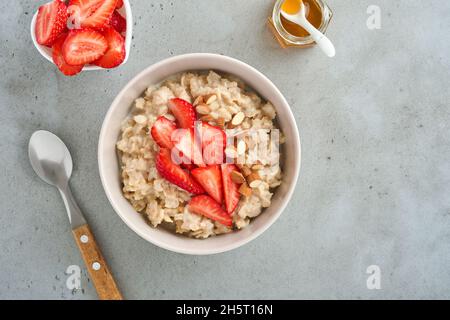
[290,34]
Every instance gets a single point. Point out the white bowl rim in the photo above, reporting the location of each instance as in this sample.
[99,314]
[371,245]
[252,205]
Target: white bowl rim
[128,37]
[156,241]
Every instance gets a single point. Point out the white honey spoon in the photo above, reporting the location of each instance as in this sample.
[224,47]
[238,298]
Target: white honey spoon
[300,18]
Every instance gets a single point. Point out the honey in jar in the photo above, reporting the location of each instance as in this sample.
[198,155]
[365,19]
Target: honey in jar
[290,34]
[313,14]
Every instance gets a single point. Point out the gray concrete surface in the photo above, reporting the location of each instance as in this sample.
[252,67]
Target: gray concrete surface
[375,180]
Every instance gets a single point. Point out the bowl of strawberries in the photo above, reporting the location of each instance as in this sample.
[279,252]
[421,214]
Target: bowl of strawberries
[171,146]
[82,35]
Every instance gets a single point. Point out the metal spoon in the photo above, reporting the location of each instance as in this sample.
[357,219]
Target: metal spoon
[52,162]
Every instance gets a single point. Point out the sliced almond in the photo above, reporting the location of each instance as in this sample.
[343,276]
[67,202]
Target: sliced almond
[141,119]
[198,100]
[237,177]
[203,109]
[275,184]
[253,177]
[214,106]
[210,98]
[238,118]
[245,190]
[207,118]
[246,171]
[255,183]
[257,167]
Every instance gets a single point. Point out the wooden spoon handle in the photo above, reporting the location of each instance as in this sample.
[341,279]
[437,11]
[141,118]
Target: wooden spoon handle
[98,269]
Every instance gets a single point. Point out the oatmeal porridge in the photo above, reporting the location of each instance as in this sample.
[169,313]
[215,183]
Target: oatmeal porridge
[199,153]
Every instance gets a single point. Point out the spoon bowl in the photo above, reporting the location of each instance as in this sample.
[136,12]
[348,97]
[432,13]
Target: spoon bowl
[52,162]
[50,158]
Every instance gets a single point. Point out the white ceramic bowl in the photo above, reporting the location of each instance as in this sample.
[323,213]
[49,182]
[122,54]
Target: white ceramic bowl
[119,110]
[125,11]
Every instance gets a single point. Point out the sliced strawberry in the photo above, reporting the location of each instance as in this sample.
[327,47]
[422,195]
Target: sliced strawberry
[162,132]
[58,59]
[211,180]
[175,174]
[119,4]
[84,46]
[100,14]
[80,10]
[230,188]
[50,22]
[118,22]
[183,111]
[85,7]
[115,54]
[214,142]
[187,143]
[86,4]
[206,206]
